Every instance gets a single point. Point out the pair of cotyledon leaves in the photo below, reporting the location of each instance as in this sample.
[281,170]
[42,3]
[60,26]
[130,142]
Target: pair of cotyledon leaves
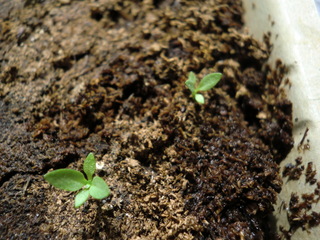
[72,180]
[206,83]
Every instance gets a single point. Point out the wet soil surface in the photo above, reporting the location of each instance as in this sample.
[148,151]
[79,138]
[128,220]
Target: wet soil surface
[107,77]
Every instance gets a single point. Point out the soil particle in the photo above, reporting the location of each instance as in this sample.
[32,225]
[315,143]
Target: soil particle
[108,77]
[300,212]
[299,216]
[310,174]
[293,172]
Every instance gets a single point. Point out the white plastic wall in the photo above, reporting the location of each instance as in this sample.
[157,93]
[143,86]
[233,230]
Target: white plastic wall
[295,34]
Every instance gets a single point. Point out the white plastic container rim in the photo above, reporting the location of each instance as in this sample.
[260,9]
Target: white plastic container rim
[317,2]
[295,34]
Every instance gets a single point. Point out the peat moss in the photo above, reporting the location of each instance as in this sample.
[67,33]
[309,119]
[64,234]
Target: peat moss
[108,77]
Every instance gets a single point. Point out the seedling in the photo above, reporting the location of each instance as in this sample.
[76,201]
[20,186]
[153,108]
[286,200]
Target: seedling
[206,83]
[72,180]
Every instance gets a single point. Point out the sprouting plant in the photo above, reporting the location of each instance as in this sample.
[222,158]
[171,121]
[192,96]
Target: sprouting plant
[206,83]
[72,180]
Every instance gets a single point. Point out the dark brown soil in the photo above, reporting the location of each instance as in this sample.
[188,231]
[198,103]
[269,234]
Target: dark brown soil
[107,77]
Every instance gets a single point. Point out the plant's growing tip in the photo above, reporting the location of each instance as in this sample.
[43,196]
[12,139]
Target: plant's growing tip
[206,83]
[72,180]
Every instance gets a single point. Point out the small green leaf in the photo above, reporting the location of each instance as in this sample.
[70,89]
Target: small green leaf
[99,188]
[89,166]
[81,197]
[191,82]
[66,179]
[199,98]
[209,81]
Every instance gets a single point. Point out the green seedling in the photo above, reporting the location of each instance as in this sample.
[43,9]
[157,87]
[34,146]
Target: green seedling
[72,180]
[206,83]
